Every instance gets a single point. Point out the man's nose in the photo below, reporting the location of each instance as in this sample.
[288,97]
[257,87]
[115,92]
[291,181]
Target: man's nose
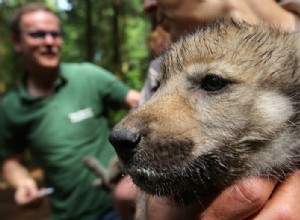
[49,39]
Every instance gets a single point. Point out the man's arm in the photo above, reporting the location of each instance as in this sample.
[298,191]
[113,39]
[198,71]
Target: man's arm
[19,178]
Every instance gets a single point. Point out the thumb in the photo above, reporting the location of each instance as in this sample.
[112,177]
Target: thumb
[240,200]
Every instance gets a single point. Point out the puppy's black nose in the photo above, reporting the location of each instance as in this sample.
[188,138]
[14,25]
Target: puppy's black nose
[124,141]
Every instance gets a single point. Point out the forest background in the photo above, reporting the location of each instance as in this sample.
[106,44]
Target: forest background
[109,33]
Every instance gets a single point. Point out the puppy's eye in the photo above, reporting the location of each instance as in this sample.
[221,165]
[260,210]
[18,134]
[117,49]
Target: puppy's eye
[213,83]
[155,87]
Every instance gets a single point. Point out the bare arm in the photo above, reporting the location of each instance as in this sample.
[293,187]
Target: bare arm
[14,172]
[19,178]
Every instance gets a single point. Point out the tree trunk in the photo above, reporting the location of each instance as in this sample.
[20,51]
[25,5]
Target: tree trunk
[89,31]
[116,44]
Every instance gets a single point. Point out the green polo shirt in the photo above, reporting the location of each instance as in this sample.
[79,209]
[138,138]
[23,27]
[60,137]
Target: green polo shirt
[60,130]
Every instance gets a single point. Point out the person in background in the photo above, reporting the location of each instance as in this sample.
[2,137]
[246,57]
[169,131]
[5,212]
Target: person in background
[254,197]
[59,111]
[158,42]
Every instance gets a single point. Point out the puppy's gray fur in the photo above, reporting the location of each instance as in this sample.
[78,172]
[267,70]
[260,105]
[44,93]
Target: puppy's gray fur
[227,107]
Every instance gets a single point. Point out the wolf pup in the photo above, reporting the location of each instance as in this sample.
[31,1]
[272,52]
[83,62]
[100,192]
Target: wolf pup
[227,107]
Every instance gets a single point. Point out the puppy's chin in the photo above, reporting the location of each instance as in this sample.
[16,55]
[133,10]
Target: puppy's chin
[183,184]
[174,195]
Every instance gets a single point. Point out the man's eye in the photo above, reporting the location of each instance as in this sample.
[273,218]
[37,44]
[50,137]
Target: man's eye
[213,83]
[43,34]
[37,34]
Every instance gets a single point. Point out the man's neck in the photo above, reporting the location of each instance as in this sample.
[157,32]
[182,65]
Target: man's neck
[41,83]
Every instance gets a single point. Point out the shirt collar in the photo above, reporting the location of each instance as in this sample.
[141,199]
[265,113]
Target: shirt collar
[58,84]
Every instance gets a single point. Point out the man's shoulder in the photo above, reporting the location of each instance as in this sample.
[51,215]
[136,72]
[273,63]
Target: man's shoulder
[10,96]
[9,99]
[84,72]
[84,67]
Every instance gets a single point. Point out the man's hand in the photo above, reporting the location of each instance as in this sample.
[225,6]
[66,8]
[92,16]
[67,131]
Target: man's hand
[241,200]
[251,198]
[132,99]
[285,201]
[27,193]
[124,196]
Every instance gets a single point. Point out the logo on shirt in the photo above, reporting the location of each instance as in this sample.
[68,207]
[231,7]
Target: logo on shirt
[81,115]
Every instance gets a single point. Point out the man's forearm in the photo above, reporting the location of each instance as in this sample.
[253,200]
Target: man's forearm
[15,173]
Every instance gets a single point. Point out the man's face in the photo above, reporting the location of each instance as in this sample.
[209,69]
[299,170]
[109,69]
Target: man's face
[178,17]
[40,40]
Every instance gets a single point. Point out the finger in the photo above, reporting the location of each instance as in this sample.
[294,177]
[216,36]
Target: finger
[23,197]
[26,200]
[240,200]
[285,201]
[26,194]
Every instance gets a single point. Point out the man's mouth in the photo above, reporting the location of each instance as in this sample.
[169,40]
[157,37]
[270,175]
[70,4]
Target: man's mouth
[49,53]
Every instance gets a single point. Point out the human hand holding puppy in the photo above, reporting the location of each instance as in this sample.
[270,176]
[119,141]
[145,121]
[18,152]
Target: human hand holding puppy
[257,198]
[250,198]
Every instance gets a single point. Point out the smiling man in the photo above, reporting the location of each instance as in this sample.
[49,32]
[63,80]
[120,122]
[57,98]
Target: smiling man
[58,111]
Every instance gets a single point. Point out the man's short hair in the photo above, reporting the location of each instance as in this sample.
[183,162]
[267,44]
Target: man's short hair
[27,8]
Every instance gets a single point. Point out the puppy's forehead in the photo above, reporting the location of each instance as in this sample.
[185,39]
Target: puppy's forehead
[231,46]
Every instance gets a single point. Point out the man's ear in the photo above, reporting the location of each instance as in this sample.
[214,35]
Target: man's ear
[16,42]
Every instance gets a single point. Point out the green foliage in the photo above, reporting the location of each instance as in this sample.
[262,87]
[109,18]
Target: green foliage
[134,49]
[7,56]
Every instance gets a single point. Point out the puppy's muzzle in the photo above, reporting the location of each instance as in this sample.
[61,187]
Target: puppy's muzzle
[124,141]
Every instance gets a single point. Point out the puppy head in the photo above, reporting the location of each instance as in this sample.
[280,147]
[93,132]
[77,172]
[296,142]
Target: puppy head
[225,109]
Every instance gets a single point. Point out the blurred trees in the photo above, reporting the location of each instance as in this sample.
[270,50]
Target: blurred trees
[110,33]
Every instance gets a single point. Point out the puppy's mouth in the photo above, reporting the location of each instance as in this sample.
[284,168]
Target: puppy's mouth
[152,181]
[146,175]
[176,188]
[147,172]
[185,180]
